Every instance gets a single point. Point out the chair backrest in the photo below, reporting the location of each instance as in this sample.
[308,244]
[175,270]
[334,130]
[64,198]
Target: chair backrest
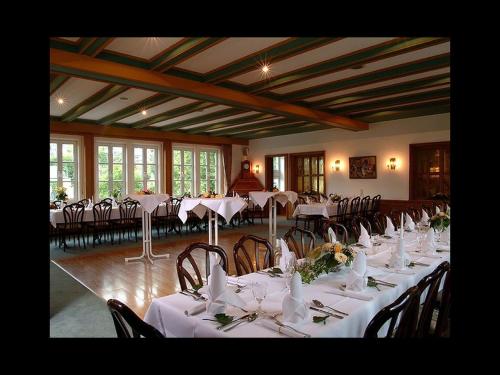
[301,200]
[415,214]
[375,204]
[429,210]
[395,216]
[356,228]
[402,316]
[109,200]
[355,205]
[300,241]
[128,209]
[157,210]
[245,258]
[124,318]
[340,231]
[444,307]
[174,208]
[430,286]
[84,201]
[364,205]
[379,223]
[342,208]
[182,272]
[73,215]
[102,211]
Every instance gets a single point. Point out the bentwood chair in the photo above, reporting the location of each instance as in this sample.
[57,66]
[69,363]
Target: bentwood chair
[305,219]
[340,231]
[55,205]
[102,222]
[158,220]
[402,315]
[300,241]
[174,223]
[444,304]
[356,227]
[108,200]
[189,254]
[341,215]
[379,223]
[128,324]
[415,214]
[85,202]
[73,223]
[395,216]
[364,206]
[354,209]
[375,205]
[128,220]
[248,257]
[428,289]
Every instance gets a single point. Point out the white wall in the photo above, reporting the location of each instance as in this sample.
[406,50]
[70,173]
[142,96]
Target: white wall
[384,139]
[236,158]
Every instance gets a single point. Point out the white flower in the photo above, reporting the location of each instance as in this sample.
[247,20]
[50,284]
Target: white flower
[341,257]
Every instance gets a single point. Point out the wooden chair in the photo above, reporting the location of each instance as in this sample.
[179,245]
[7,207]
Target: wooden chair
[364,206]
[108,200]
[354,209]
[301,247]
[395,216]
[379,223]
[341,215]
[124,318]
[183,273]
[55,205]
[174,223]
[245,260]
[444,305]
[415,214]
[102,222]
[73,223]
[429,286]
[85,202]
[404,310]
[340,231]
[158,220]
[128,220]
[305,219]
[356,228]
[375,206]
[255,211]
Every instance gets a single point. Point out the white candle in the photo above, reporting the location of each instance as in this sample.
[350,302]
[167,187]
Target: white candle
[402,225]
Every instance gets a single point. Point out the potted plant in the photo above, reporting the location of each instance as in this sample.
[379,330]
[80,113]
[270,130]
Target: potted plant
[61,194]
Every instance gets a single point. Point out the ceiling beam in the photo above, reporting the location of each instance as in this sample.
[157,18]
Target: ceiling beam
[402,70]
[87,67]
[237,121]
[260,126]
[401,107]
[406,113]
[204,118]
[287,131]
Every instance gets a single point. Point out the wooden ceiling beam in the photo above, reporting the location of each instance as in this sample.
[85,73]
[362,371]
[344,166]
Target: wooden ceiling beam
[405,113]
[87,67]
[204,118]
[260,126]
[286,131]
[237,121]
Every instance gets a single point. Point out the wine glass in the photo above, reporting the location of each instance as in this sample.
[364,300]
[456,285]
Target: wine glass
[290,267]
[259,290]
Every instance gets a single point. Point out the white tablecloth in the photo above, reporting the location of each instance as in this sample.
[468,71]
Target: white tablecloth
[149,202]
[167,313]
[261,197]
[226,207]
[319,209]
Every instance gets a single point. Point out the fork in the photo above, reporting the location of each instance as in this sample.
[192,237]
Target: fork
[273,317]
[196,298]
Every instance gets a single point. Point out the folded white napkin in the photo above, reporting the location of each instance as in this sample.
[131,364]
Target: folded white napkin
[437,210]
[294,307]
[389,229]
[351,294]
[356,278]
[364,237]
[322,199]
[429,243]
[329,202]
[399,257]
[196,309]
[409,225]
[236,281]
[425,217]
[448,210]
[285,254]
[308,200]
[284,330]
[219,294]
[332,236]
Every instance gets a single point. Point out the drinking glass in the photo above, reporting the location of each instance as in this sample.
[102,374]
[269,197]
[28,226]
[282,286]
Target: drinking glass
[259,290]
[290,267]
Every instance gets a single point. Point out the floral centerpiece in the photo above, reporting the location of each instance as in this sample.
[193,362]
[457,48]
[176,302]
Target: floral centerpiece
[335,197]
[61,193]
[212,194]
[116,193]
[326,258]
[145,192]
[440,221]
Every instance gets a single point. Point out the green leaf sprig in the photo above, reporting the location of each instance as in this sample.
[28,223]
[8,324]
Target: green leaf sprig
[197,287]
[319,319]
[373,284]
[224,319]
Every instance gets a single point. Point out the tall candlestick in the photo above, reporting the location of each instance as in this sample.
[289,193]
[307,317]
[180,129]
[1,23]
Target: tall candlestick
[402,225]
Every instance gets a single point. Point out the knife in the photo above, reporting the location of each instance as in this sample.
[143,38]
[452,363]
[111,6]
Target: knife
[234,321]
[326,312]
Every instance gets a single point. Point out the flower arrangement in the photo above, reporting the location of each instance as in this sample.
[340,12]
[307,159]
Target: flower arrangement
[335,197]
[325,258]
[145,192]
[440,221]
[61,193]
[212,194]
[116,193]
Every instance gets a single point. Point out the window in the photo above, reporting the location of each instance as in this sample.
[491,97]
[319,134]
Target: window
[308,173]
[145,168]
[110,170]
[279,172]
[195,170]
[64,167]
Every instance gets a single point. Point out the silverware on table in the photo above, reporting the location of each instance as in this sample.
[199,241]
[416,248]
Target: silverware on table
[250,318]
[326,312]
[195,297]
[284,325]
[320,304]
[233,321]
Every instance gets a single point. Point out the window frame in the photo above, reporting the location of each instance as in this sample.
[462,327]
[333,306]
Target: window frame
[77,142]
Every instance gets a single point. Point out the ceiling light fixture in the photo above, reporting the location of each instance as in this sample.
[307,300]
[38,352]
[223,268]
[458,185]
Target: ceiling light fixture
[60,101]
[144,113]
[265,69]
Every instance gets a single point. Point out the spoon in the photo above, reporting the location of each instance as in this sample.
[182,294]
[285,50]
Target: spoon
[250,318]
[319,304]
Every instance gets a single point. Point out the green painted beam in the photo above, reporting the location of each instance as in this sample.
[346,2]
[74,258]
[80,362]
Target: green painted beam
[188,48]
[171,114]
[402,70]
[272,55]
[410,106]
[259,126]
[85,43]
[98,98]
[396,115]
[204,118]
[65,46]
[93,48]
[57,82]
[292,130]
[136,107]
[397,88]
[236,121]
[276,127]
[435,94]
[364,56]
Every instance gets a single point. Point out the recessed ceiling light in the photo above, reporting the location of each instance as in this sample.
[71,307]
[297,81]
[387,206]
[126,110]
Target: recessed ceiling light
[265,69]
[60,101]
[123,98]
[144,113]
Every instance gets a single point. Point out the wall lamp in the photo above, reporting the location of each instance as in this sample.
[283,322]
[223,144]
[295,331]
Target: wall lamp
[257,169]
[336,166]
[392,164]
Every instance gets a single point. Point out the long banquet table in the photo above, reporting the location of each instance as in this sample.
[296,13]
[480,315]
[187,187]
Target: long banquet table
[167,314]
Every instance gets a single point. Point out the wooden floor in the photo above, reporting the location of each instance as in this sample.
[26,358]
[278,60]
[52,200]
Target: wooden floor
[137,283]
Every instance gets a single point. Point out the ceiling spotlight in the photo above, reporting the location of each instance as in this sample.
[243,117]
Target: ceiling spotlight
[60,101]
[144,113]
[265,69]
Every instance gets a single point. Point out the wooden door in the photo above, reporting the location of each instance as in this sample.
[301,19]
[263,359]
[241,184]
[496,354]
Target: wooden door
[308,172]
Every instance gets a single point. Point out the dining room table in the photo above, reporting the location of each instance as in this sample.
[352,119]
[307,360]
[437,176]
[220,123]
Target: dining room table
[170,314]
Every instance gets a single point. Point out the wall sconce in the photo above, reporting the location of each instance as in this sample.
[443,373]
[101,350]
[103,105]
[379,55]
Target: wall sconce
[392,164]
[336,166]
[257,168]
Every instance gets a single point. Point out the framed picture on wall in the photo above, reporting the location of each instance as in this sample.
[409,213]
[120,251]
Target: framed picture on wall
[363,167]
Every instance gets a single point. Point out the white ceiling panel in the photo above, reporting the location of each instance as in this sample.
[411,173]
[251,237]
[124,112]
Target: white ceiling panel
[70,38]
[380,84]
[244,126]
[191,115]
[115,104]
[153,111]
[145,48]
[370,67]
[330,51]
[394,106]
[225,52]
[221,120]
[73,91]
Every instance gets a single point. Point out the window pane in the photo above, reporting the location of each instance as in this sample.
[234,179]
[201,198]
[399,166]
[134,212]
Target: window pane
[53,187]
[151,169]
[53,152]
[138,172]
[137,155]
[117,154]
[299,185]
[70,189]
[203,158]
[315,184]
[211,156]
[307,184]
[117,172]
[102,152]
[188,160]
[212,185]
[68,152]
[104,190]
[314,162]
[68,171]
[119,187]
[53,170]
[203,186]
[152,186]
[321,169]
[177,172]
[188,173]
[177,156]
[321,188]
[103,172]
[203,173]
[151,156]
[212,171]
[139,185]
[177,188]
[188,187]
[306,167]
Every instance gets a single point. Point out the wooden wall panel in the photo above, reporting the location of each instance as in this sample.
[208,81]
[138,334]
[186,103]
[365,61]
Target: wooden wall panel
[167,157]
[88,178]
[386,205]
